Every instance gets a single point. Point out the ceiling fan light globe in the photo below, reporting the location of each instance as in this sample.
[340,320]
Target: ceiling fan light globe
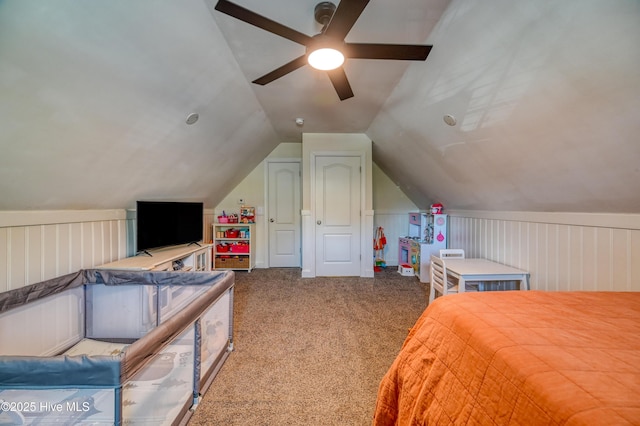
[325,59]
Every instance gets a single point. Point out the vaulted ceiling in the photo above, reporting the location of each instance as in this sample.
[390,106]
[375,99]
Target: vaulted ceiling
[545,94]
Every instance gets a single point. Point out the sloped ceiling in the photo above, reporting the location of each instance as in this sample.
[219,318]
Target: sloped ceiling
[94,98]
[547,100]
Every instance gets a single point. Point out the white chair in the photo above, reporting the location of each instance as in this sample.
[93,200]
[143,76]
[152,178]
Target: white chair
[440,281]
[459,254]
[455,253]
[452,254]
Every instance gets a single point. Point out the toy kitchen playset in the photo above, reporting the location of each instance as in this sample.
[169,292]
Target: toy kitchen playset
[427,235]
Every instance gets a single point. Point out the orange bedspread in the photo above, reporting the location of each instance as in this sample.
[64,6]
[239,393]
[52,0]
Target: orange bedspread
[518,358]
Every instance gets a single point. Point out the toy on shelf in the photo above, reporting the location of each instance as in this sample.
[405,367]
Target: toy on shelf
[436,208]
[247,214]
[225,218]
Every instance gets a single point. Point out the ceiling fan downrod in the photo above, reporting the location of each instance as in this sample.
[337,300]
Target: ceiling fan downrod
[323,13]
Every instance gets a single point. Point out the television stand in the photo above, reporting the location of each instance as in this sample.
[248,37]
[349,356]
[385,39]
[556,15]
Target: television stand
[192,258]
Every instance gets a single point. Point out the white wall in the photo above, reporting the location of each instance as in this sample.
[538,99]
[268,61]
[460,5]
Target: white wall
[252,191]
[562,251]
[390,204]
[391,207]
[40,245]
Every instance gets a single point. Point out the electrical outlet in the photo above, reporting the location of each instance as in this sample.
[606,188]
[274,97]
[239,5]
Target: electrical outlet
[240,200]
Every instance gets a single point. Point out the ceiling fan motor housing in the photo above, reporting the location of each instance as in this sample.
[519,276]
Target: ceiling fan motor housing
[319,41]
[323,12]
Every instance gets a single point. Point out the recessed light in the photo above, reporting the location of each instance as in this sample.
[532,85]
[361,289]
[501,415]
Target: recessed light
[192,118]
[450,119]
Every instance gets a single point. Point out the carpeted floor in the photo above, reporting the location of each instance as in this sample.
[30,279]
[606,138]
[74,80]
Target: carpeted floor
[310,351]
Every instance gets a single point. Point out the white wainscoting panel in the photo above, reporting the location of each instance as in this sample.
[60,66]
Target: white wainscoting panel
[31,252]
[602,256]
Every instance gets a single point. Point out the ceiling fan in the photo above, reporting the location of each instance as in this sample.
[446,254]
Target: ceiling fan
[327,50]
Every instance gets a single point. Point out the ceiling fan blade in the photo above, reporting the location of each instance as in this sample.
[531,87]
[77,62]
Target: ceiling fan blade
[260,21]
[344,18]
[281,71]
[339,80]
[407,52]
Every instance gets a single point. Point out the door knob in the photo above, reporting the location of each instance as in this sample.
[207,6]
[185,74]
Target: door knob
[271,220]
[319,222]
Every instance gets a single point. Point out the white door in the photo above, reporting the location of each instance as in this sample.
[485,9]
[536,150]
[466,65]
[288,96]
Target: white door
[284,214]
[337,214]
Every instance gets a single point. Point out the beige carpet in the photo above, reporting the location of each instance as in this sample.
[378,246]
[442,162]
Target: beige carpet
[310,351]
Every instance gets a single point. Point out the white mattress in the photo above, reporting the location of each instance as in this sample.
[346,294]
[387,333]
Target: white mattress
[95,347]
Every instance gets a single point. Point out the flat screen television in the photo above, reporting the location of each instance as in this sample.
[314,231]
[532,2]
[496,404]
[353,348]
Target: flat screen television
[168,223]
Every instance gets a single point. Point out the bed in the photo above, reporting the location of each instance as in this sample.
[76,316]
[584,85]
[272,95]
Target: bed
[518,358]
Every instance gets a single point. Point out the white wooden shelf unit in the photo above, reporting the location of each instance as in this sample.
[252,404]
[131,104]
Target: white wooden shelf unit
[231,259]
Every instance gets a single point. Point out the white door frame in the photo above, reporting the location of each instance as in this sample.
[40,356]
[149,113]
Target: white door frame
[309,216]
[266,204]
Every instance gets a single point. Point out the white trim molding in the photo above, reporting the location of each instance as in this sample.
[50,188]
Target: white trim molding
[601,220]
[308,245]
[54,217]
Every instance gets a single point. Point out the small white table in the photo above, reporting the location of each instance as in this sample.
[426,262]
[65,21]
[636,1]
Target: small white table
[484,270]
